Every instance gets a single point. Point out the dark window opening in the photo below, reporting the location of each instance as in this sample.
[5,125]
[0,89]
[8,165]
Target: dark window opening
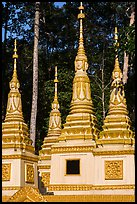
[73,167]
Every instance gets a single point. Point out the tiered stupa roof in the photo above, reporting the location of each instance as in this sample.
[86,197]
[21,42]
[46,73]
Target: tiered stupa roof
[54,129]
[117,124]
[14,129]
[81,121]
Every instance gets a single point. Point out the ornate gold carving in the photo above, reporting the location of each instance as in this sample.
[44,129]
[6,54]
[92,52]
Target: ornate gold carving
[80,187]
[9,188]
[84,198]
[29,173]
[42,157]
[89,198]
[71,149]
[16,156]
[27,193]
[20,146]
[6,171]
[45,178]
[44,166]
[115,152]
[114,170]
[20,139]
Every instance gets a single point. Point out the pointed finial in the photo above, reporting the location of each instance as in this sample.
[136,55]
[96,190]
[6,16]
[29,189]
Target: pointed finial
[15,56]
[55,81]
[81,44]
[14,82]
[116,44]
[81,58]
[117,71]
[15,50]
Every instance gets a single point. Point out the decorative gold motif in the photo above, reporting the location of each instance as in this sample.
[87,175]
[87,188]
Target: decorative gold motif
[20,146]
[114,170]
[29,173]
[45,178]
[6,171]
[27,193]
[55,150]
[17,156]
[117,124]
[84,198]
[115,152]
[80,187]
[43,157]
[19,139]
[44,166]
[9,188]
[89,198]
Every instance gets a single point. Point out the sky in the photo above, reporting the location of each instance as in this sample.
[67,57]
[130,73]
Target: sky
[59,4]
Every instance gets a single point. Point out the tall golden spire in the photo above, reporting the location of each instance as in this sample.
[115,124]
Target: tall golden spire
[15,56]
[55,117]
[81,58]
[117,124]
[116,67]
[14,105]
[81,122]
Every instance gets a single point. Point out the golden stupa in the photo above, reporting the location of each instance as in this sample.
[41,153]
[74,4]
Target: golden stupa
[19,162]
[54,131]
[81,123]
[117,124]
[14,129]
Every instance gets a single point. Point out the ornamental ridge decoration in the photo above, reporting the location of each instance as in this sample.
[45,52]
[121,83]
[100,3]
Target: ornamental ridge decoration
[45,178]
[29,173]
[6,171]
[114,170]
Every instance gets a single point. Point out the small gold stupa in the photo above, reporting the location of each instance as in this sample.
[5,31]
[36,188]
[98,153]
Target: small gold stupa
[81,121]
[54,130]
[117,124]
[19,162]
[14,129]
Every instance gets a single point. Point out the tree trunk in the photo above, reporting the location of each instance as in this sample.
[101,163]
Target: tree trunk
[35,76]
[126,56]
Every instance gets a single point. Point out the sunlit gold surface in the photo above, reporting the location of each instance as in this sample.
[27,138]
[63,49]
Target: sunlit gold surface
[14,129]
[117,124]
[81,121]
[26,194]
[6,171]
[78,187]
[114,170]
[84,198]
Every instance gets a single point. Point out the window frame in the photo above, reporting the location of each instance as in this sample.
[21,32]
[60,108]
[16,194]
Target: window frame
[72,174]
